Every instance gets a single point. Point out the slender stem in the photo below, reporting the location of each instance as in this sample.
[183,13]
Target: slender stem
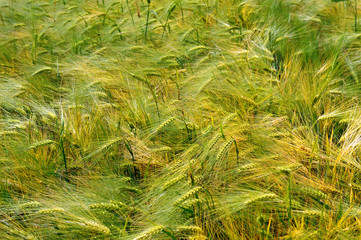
[129,148]
[289,212]
[61,145]
[356,16]
[130,12]
[146,25]
[166,21]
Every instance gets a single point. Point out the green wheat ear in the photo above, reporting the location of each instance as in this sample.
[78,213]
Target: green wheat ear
[171,182]
[191,203]
[149,233]
[9,133]
[223,150]
[130,189]
[187,195]
[32,204]
[198,48]
[189,229]
[204,85]
[314,192]
[260,198]
[161,149]
[106,206]
[214,140]
[312,213]
[249,166]
[94,226]
[41,144]
[51,210]
[161,126]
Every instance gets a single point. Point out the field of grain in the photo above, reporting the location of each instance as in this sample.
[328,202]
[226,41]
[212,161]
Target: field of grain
[180,119]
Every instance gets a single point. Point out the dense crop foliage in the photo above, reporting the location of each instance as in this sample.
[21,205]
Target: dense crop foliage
[180,119]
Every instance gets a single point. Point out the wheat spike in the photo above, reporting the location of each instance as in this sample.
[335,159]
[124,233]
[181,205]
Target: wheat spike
[139,78]
[248,166]
[120,204]
[222,65]
[41,144]
[207,130]
[126,165]
[191,203]
[262,197]
[136,48]
[313,213]
[247,100]
[189,229]
[51,210]
[43,69]
[204,59]
[171,182]
[314,192]
[229,117]
[223,150]
[106,206]
[32,204]
[187,195]
[186,34]
[125,179]
[9,133]
[105,214]
[162,149]
[214,140]
[108,144]
[296,204]
[130,189]
[150,233]
[295,166]
[355,186]
[331,115]
[162,125]
[204,85]
[198,237]
[167,57]
[153,74]
[198,48]
[91,225]
[290,168]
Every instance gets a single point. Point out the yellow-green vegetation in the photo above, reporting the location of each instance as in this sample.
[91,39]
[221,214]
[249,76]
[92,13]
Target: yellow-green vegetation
[180,119]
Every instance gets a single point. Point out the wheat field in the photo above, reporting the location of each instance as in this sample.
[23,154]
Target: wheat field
[180,119]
